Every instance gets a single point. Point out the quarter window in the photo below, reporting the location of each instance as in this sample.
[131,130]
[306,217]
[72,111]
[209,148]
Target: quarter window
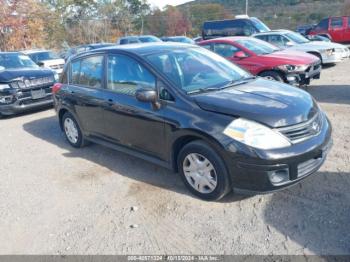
[126,75]
[337,22]
[225,50]
[88,72]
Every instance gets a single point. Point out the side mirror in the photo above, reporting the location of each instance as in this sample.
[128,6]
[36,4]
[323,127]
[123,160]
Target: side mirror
[41,64]
[146,95]
[289,44]
[240,55]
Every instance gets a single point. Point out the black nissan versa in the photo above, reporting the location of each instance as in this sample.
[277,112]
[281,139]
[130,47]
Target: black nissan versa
[23,84]
[188,109]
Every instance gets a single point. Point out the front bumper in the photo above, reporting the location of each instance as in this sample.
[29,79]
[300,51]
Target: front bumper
[23,101]
[339,55]
[253,169]
[304,78]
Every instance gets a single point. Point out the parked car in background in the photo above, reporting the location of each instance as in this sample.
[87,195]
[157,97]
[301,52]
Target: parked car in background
[138,39]
[304,29]
[190,110]
[83,48]
[46,58]
[23,84]
[337,27]
[328,53]
[244,26]
[265,60]
[179,39]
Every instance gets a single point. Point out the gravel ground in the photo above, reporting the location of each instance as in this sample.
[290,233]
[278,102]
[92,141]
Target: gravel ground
[58,200]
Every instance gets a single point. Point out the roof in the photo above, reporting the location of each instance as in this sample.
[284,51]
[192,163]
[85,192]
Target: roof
[9,53]
[229,38]
[144,48]
[281,31]
[34,51]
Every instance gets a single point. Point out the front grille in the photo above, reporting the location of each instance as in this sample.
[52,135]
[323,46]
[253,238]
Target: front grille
[309,166]
[57,66]
[34,101]
[303,131]
[33,83]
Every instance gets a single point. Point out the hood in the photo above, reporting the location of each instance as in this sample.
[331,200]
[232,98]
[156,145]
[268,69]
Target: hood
[9,75]
[319,45]
[53,62]
[269,102]
[292,57]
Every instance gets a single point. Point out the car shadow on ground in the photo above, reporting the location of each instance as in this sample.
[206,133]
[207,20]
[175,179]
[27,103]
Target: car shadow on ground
[315,213]
[335,94]
[48,130]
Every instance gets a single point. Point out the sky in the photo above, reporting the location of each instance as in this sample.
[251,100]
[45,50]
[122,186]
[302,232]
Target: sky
[162,3]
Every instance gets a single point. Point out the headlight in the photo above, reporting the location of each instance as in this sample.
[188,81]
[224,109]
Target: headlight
[56,76]
[4,86]
[328,52]
[293,68]
[255,135]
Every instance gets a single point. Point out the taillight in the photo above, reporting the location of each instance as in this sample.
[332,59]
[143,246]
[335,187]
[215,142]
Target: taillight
[56,87]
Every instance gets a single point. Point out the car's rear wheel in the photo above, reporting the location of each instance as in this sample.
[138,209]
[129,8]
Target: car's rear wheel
[72,130]
[272,75]
[203,171]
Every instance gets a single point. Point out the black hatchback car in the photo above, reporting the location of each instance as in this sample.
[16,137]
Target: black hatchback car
[23,84]
[188,109]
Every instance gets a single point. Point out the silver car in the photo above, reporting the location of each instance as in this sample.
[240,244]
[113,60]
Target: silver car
[328,52]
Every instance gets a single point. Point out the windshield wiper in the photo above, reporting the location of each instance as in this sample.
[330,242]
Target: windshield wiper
[230,84]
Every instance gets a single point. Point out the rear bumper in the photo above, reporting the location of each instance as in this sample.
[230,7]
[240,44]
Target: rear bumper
[254,172]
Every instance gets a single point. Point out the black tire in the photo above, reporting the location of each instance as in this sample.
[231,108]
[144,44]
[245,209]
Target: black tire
[273,75]
[80,142]
[223,185]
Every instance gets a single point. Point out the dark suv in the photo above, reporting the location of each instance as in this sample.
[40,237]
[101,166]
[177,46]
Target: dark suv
[245,26]
[23,84]
[188,109]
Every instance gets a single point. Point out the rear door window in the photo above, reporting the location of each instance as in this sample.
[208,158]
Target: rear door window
[337,22]
[225,50]
[88,72]
[125,75]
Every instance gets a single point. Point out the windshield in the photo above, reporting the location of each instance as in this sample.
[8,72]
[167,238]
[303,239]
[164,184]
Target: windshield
[148,39]
[195,69]
[260,25]
[297,38]
[13,61]
[42,56]
[257,46]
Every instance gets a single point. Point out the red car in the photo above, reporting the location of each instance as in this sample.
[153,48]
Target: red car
[266,60]
[336,27]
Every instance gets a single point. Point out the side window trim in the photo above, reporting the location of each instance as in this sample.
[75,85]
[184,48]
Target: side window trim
[129,57]
[70,75]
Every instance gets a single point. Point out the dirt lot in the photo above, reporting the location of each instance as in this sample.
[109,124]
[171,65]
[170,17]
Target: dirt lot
[58,200]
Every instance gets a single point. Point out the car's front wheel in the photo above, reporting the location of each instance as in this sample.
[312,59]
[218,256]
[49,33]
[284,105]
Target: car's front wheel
[72,130]
[203,171]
